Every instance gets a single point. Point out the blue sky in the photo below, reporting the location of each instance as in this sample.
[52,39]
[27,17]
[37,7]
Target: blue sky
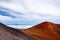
[29,12]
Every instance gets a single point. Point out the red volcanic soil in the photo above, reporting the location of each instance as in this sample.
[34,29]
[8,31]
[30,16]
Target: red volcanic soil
[44,31]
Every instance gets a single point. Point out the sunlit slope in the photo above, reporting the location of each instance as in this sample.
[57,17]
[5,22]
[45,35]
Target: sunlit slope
[44,31]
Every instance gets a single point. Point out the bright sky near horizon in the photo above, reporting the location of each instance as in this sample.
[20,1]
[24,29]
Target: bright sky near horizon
[29,12]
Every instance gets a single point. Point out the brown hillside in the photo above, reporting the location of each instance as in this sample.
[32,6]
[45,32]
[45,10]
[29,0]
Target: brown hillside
[44,31]
[7,33]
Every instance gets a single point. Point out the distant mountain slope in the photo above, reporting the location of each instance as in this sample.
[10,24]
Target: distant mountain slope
[44,31]
[7,33]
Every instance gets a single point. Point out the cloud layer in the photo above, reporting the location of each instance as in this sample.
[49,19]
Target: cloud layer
[29,12]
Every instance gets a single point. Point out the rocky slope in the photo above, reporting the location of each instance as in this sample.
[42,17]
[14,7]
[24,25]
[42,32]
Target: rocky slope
[7,33]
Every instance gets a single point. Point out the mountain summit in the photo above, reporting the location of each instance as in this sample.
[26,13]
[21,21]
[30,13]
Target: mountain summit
[44,31]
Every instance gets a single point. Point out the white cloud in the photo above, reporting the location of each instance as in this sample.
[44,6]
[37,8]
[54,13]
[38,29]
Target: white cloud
[5,18]
[42,7]
[29,11]
[36,6]
[20,26]
[13,6]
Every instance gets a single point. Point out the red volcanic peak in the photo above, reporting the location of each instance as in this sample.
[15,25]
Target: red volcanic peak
[44,31]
